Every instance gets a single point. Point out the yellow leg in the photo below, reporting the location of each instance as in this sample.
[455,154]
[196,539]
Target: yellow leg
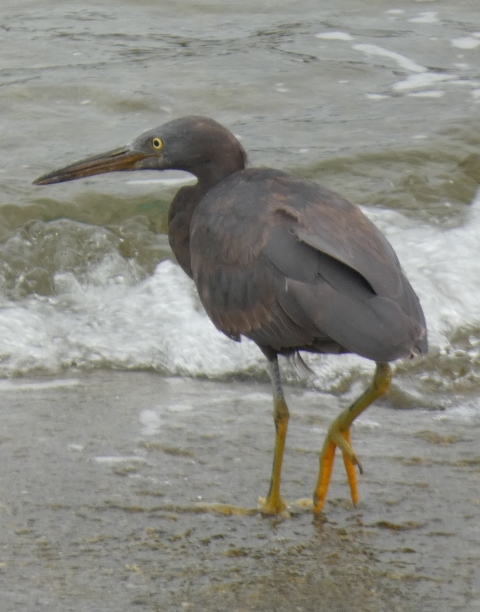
[274,503]
[339,435]
[350,470]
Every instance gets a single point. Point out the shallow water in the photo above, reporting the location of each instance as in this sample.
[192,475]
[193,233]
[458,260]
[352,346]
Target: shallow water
[379,101]
[379,104]
[106,476]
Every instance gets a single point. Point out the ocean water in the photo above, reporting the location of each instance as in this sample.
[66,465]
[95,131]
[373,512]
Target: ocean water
[378,101]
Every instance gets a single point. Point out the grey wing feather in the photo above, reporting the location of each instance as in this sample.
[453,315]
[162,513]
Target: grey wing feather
[340,302]
[296,267]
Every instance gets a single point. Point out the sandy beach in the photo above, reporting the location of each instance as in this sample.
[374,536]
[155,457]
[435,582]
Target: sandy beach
[108,462]
[104,475]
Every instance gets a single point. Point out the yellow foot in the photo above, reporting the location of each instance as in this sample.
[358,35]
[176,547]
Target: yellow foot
[273,507]
[342,440]
[339,435]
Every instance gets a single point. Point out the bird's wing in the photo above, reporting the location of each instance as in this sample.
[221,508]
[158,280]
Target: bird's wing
[287,263]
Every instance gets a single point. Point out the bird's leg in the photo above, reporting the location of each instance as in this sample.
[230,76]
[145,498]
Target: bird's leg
[339,435]
[274,504]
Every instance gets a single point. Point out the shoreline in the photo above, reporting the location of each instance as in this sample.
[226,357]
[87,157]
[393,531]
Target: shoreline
[103,472]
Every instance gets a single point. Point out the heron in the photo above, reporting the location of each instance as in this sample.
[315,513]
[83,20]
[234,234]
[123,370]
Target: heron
[280,260]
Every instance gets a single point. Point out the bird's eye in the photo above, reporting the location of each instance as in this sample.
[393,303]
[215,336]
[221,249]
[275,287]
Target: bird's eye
[157,143]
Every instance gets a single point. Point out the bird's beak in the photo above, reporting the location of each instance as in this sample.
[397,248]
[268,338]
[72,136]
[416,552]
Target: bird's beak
[118,159]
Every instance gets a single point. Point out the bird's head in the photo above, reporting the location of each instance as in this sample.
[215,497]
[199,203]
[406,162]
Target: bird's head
[198,145]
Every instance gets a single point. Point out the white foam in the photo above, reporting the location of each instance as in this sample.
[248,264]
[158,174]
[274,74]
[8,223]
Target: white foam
[425,17]
[374,96]
[180,407]
[419,81]
[334,36]
[12,385]
[159,323]
[464,414]
[363,422]
[462,82]
[156,323]
[151,421]
[402,60]
[466,42]
[435,261]
[120,459]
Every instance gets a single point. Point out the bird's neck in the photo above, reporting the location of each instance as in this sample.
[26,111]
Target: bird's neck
[210,173]
[179,218]
[187,199]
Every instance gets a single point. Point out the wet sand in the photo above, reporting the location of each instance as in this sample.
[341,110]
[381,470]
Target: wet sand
[103,476]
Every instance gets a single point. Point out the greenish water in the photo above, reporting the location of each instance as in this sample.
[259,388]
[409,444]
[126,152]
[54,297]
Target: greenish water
[104,462]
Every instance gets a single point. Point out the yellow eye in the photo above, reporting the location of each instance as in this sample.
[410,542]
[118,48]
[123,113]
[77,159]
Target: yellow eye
[157,143]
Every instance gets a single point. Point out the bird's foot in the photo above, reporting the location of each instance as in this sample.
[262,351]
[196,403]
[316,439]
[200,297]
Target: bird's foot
[339,435]
[336,437]
[273,506]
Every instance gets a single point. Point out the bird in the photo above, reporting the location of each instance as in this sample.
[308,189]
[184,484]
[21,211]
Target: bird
[283,261]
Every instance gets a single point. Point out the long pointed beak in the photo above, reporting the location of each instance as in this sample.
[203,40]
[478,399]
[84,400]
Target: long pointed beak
[111,161]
